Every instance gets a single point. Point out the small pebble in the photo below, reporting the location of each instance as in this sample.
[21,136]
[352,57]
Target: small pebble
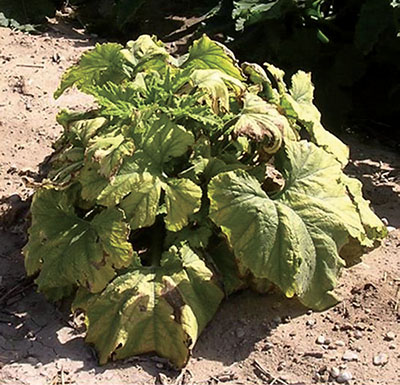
[320,340]
[322,369]
[344,377]
[358,334]
[346,326]
[277,319]
[390,336]
[349,356]
[392,347]
[240,333]
[334,372]
[385,221]
[380,359]
[159,365]
[311,322]
[340,343]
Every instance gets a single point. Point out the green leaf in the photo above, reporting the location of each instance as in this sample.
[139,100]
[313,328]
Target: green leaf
[142,196]
[182,198]
[73,250]
[299,105]
[375,17]
[161,141]
[102,64]
[208,54]
[117,100]
[160,309]
[248,12]
[293,239]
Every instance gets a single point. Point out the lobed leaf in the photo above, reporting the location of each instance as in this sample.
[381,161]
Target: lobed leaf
[73,250]
[159,309]
[293,238]
[102,64]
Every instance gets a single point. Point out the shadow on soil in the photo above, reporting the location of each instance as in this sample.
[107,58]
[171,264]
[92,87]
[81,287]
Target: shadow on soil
[381,183]
[35,331]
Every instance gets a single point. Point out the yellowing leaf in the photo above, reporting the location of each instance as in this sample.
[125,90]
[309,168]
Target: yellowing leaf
[73,250]
[292,239]
[208,54]
[262,123]
[299,105]
[214,83]
[109,151]
[182,198]
[158,309]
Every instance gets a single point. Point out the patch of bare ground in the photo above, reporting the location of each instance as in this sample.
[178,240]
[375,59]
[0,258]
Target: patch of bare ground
[253,339]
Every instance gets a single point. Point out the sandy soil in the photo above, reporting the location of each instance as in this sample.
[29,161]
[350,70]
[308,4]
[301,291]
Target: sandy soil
[253,339]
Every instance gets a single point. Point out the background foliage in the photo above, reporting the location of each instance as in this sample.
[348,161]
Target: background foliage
[350,46]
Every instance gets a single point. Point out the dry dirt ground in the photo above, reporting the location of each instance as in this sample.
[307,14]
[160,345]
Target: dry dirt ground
[253,339]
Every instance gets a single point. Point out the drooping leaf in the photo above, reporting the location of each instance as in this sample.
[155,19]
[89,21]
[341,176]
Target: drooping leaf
[293,239]
[146,53]
[208,54]
[74,250]
[299,105]
[262,123]
[158,309]
[182,198]
[374,228]
[109,152]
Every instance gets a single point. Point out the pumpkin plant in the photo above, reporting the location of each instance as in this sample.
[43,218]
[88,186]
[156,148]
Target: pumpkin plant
[189,178]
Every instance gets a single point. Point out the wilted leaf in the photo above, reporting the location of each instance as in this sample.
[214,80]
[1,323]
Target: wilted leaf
[157,309]
[298,104]
[208,54]
[74,250]
[293,239]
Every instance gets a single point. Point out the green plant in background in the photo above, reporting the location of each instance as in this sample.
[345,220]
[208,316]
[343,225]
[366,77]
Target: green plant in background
[350,47]
[189,179]
[26,15]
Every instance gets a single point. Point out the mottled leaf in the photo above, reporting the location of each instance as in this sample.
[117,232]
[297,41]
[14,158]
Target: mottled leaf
[158,309]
